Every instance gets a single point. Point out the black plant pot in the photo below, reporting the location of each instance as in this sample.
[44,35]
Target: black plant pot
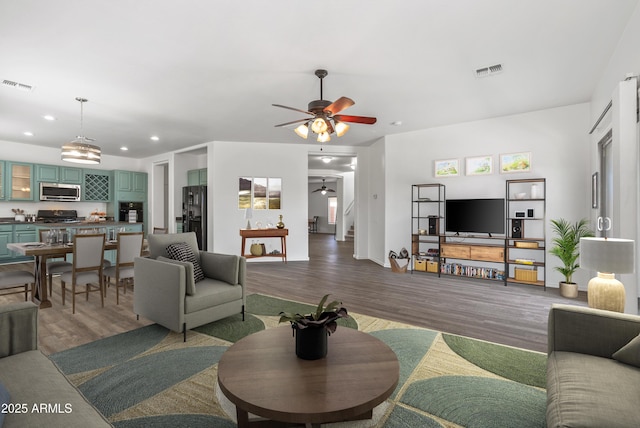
[311,343]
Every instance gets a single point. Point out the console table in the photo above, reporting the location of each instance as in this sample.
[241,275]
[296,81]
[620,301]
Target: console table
[265,233]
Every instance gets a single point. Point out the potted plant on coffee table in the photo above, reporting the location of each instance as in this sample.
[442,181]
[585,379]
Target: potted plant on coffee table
[566,247]
[311,330]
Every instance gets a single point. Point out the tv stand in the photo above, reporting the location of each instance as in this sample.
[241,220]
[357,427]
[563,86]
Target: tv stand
[485,254]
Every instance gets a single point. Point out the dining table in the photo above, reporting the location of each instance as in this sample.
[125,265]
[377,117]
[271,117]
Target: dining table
[41,252]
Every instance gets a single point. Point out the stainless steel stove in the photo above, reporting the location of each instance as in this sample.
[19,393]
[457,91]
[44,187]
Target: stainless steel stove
[58,216]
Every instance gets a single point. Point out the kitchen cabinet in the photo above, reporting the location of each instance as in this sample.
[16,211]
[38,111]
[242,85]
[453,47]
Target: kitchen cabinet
[47,173]
[6,237]
[10,233]
[58,174]
[97,185]
[130,186]
[20,183]
[2,181]
[197,177]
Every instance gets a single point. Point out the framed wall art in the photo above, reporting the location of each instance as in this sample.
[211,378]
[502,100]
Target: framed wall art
[515,162]
[479,165]
[446,168]
[260,193]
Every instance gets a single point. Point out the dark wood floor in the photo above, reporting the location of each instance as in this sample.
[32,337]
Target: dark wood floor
[514,315]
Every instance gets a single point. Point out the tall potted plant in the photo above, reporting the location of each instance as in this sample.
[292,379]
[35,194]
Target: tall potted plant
[566,247]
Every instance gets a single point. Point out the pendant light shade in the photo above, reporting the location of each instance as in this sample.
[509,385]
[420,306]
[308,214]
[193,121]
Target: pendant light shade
[80,150]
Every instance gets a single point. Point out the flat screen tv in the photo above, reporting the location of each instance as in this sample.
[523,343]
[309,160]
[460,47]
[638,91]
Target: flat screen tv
[475,216]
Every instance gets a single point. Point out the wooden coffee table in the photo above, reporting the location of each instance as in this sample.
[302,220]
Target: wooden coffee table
[261,375]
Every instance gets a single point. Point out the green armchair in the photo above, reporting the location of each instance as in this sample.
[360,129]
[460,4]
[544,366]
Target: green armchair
[168,293]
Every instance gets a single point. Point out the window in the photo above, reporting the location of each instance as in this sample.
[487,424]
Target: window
[332,202]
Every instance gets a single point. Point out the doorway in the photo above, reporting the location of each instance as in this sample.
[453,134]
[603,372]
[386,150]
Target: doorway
[605,208]
[331,184]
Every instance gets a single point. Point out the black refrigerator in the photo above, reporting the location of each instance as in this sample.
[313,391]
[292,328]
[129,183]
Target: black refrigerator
[194,213]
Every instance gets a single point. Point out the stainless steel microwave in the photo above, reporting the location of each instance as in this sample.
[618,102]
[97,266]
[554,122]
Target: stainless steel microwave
[59,192]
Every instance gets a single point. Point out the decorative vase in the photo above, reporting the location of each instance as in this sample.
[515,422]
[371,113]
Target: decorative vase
[256,249]
[534,191]
[311,342]
[280,224]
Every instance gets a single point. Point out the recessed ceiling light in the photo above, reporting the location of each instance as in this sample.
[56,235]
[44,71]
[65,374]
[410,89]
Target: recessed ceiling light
[326,159]
[124,148]
[155,138]
[49,117]
[28,133]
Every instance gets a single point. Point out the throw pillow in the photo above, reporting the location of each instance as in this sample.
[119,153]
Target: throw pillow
[629,353]
[188,267]
[182,251]
[5,399]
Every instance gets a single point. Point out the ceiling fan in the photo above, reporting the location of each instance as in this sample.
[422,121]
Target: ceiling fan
[324,118]
[324,189]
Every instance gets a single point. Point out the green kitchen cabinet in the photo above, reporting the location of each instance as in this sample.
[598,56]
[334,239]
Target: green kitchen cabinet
[71,175]
[197,177]
[2,181]
[6,237]
[97,185]
[20,181]
[58,174]
[130,186]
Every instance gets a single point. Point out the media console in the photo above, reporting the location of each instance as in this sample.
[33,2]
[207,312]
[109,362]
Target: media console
[517,256]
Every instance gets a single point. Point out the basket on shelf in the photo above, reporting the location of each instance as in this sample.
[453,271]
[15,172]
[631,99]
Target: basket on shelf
[526,274]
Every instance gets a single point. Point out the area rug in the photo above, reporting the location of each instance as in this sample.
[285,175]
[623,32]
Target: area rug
[150,378]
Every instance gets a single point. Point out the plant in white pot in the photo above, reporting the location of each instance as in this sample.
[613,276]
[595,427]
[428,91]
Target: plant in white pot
[566,247]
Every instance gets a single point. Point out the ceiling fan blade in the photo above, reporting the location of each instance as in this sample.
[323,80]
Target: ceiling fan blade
[317,190]
[356,119]
[293,108]
[340,104]
[330,190]
[292,122]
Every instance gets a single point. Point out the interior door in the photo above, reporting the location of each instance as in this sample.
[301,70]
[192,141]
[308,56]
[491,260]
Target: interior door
[605,207]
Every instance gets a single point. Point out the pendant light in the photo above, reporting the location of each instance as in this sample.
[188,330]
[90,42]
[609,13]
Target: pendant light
[80,150]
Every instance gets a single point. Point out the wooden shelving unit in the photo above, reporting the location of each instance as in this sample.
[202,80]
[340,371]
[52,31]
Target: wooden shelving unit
[427,221]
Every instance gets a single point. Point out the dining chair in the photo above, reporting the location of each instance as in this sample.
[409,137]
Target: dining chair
[161,230]
[88,253]
[55,266]
[129,247]
[16,279]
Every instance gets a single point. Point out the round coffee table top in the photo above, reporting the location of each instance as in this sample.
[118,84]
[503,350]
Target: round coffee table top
[262,375]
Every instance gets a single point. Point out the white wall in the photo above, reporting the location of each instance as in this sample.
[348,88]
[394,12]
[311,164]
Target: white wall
[318,204]
[624,60]
[557,139]
[232,160]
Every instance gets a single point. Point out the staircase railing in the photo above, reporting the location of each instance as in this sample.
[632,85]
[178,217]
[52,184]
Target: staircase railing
[349,208]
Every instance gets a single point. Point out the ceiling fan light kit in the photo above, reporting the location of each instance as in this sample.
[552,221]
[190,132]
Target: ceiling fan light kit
[79,150]
[324,120]
[324,189]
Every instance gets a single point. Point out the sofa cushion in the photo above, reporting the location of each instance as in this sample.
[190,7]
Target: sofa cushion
[182,251]
[589,391]
[225,267]
[5,399]
[188,267]
[629,353]
[211,292]
[35,380]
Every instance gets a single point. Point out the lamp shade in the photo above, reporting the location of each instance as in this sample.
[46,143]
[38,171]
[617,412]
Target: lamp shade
[78,151]
[610,255]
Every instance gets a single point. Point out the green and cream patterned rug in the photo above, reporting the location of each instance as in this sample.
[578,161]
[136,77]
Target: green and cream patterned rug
[150,378]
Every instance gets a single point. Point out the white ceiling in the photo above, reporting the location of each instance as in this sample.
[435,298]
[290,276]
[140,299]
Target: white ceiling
[201,70]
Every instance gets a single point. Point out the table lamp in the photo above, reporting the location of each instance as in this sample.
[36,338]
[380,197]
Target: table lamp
[248,213]
[607,256]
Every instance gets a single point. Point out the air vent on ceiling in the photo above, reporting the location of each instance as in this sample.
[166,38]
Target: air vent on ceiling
[489,70]
[17,85]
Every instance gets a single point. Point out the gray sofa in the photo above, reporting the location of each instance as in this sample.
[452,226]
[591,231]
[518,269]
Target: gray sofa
[166,292]
[586,387]
[40,395]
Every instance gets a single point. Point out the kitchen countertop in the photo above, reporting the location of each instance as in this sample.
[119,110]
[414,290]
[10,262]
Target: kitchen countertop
[81,223]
